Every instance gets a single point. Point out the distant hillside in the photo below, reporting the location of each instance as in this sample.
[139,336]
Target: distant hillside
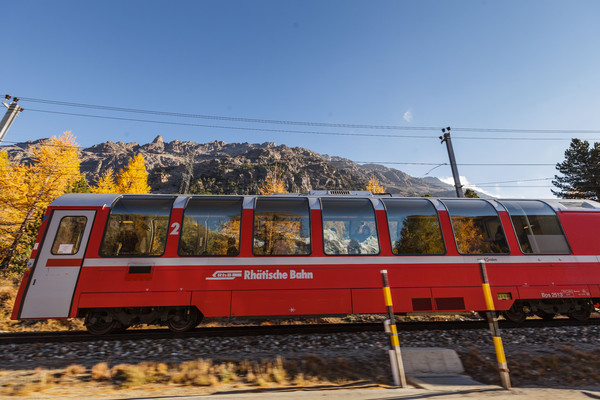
[238,168]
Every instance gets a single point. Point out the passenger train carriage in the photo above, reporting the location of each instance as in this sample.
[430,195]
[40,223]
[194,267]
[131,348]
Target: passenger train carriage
[118,260]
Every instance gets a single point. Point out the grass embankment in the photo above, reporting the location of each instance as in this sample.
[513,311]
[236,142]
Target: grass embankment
[244,375]
[571,368]
[565,367]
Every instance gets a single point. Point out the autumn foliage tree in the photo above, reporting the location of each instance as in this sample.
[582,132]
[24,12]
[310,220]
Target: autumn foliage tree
[106,183]
[374,186]
[273,183]
[132,179]
[27,189]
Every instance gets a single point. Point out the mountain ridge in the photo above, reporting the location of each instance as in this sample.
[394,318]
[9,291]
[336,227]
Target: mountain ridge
[218,167]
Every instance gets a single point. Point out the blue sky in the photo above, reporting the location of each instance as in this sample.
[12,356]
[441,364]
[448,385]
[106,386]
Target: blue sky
[464,64]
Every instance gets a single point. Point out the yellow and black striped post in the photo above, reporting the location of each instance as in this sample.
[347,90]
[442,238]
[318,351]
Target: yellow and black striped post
[395,354]
[493,321]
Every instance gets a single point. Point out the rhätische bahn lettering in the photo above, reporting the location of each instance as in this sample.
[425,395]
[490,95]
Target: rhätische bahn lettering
[260,274]
[266,274]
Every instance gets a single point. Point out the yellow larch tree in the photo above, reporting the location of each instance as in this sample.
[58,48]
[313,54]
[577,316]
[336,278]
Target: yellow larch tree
[26,190]
[12,199]
[106,183]
[273,183]
[374,186]
[133,178]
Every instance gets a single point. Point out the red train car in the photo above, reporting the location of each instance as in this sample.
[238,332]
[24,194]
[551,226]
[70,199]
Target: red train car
[118,260]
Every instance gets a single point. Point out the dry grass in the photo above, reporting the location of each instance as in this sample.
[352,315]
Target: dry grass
[32,382]
[199,373]
[565,367]
[8,293]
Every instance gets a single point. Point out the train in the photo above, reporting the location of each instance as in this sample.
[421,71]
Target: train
[118,260]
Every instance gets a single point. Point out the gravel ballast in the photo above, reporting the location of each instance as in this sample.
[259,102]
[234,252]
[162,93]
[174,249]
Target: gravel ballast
[565,347]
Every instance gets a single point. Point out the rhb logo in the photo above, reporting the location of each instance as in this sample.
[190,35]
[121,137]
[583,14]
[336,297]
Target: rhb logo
[224,275]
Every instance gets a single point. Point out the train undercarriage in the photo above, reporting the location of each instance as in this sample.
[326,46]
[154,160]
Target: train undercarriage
[547,309]
[182,319]
[112,320]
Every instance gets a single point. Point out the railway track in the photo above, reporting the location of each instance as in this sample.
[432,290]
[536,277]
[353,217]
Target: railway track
[304,329]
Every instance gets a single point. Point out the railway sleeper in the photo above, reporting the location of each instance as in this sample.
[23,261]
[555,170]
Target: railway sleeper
[547,309]
[101,321]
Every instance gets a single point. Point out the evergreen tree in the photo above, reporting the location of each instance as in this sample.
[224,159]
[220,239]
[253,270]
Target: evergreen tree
[471,194]
[80,186]
[580,172]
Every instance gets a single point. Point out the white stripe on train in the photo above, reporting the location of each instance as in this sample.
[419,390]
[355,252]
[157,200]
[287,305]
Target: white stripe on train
[336,260]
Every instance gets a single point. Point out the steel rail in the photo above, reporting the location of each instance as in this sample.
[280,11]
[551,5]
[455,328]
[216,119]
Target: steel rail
[300,329]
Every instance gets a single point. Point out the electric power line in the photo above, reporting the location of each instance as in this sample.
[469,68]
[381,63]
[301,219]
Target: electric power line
[518,180]
[306,123]
[240,128]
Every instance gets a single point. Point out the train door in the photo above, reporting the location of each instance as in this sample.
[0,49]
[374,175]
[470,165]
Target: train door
[54,276]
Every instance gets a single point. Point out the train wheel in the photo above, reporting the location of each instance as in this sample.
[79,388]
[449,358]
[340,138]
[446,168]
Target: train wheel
[516,316]
[98,326]
[580,315]
[184,320]
[545,315]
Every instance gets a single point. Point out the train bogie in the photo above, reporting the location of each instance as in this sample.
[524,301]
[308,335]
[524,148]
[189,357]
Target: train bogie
[119,260]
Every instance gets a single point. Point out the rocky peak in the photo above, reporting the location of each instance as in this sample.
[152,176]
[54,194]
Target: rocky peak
[158,140]
[157,145]
[238,168]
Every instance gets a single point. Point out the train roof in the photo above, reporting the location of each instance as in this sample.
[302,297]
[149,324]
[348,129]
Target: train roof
[107,199]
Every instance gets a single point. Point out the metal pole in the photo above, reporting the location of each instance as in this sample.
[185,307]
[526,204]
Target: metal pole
[9,117]
[493,321]
[393,333]
[457,184]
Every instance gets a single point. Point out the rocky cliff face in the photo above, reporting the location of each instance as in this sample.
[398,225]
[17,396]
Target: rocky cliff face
[239,168]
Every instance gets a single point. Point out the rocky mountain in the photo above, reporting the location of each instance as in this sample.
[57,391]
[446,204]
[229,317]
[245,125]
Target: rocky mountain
[239,168]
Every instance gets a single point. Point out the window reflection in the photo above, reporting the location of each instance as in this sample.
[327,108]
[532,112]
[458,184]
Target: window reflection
[537,227]
[349,227]
[137,227]
[211,227]
[477,228]
[69,235]
[414,227]
[281,227]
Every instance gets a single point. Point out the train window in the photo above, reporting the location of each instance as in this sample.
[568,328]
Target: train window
[349,227]
[137,227]
[537,227]
[211,227]
[477,228]
[414,227]
[68,236]
[281,227]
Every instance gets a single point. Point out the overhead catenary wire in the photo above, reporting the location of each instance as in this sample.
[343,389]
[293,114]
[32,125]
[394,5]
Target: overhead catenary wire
[112,109]
[268,130]
[306,123]
[513,181]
